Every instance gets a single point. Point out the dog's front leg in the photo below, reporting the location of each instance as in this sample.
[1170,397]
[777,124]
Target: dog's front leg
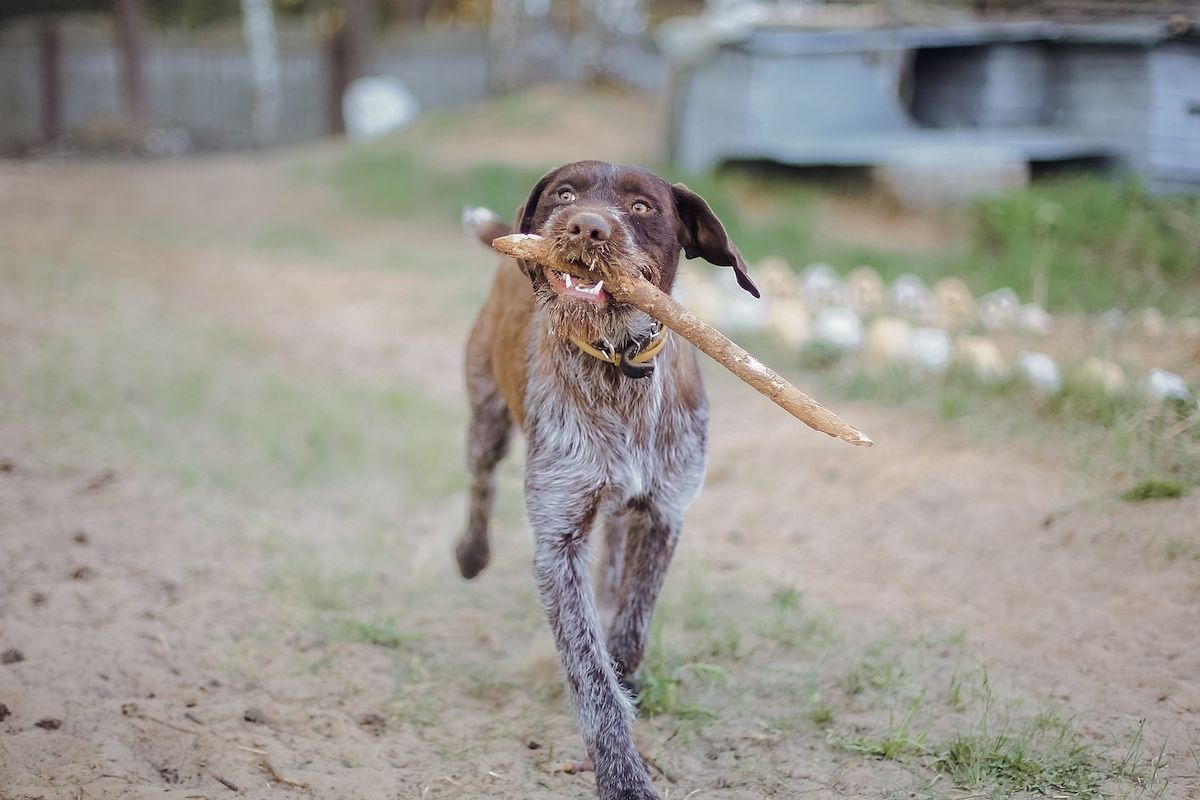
[561,521]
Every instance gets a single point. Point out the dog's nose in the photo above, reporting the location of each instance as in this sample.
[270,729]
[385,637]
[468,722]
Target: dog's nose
[589,229]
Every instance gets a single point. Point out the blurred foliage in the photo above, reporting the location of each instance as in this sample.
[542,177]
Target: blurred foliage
[1092,242]
[1102,244]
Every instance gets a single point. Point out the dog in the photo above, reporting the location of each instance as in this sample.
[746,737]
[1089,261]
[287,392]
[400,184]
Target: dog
[615,421]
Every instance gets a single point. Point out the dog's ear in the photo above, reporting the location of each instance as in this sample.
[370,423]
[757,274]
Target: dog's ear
[525,213]
[702,235]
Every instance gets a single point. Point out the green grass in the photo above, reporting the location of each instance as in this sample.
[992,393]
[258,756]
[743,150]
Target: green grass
[1080,243]
[1152,489]
[211,409]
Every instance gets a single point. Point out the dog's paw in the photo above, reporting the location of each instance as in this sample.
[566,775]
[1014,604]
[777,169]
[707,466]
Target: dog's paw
[473,555]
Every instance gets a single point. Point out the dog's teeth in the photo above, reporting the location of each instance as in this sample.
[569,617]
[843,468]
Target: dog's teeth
[568,279]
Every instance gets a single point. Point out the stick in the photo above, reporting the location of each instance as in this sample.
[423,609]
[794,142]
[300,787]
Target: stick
[642,295]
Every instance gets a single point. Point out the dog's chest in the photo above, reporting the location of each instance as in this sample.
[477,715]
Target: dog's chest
[625,437]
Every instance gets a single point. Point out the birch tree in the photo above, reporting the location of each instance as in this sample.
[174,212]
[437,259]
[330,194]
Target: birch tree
[262,42]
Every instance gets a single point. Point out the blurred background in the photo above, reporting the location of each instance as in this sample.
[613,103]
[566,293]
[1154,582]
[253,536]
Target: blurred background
[234,292]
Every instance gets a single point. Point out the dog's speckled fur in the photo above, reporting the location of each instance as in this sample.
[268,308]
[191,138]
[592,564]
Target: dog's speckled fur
[599,445]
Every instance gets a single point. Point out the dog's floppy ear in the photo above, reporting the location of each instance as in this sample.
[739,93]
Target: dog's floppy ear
[702,235]
[525,213]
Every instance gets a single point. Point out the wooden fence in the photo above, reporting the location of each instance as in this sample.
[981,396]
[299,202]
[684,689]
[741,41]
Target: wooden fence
[206,89]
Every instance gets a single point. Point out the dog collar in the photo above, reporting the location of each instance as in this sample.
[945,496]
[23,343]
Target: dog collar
[634,359]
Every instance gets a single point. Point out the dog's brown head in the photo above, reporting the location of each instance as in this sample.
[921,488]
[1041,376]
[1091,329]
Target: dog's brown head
[611,220]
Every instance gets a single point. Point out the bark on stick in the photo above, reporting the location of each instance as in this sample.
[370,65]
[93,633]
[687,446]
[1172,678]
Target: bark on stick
[644,296]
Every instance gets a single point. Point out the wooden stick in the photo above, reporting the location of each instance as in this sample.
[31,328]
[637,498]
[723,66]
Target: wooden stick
[644,296]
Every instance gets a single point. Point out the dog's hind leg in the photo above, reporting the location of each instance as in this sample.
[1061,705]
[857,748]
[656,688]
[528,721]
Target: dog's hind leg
[649,545]
[487,443]
[612,560]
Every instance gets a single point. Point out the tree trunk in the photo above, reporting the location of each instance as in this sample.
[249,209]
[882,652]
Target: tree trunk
[262,43]
[50,74]
[348,56]
[131,42]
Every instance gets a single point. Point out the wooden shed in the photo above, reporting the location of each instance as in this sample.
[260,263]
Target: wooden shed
[968,107]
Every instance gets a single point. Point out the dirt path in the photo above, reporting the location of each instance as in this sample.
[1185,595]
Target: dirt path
[229,488]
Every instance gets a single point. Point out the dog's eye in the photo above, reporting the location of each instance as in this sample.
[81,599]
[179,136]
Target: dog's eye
[640,208]
[566,195]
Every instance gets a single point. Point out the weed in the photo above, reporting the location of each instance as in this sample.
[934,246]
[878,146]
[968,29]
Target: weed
[1152,489]
[791,627]
[821,712]
[1176,547]
[380,633]
[899,743]
[660,677]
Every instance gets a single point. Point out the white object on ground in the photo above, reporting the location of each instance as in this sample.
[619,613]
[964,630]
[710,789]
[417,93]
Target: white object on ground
[955,304]
[887,342]
[1104,375]
[981,355]
[822,286]
[776,278]
[1032,318]
[930,349]
[1153,325]
[788,321]
[1160,385]
[998,310]
[839,327]
[1041,371]
[911,297]
[865,290]
[374,106]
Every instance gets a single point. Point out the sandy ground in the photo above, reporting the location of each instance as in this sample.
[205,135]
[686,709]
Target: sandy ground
[250,629]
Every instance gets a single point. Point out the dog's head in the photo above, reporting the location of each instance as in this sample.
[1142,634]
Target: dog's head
[612,220]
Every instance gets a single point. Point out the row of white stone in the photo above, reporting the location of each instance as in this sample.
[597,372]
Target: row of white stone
[911,324]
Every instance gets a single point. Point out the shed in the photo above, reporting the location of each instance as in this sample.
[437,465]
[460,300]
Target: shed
[968,107]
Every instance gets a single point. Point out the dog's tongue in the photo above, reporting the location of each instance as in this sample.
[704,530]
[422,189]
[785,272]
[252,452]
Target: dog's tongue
[568,285]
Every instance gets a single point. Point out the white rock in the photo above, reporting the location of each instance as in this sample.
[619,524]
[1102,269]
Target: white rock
[910,296]
[998,310]
[1160,385]
[955,304]
[981,355]
[788,321]
[1152,323]
[839,327]
[822,287]
[1032,318]
[1041,371]
[776,278]
[1113,319]
[866,290]
[1104,375]
[888,341]
[930,349]
[742,311]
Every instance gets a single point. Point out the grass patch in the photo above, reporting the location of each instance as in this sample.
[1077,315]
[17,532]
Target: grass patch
[300,240]
[209,408]
[390,179]
[379,633]
[660,679]
[1152,489]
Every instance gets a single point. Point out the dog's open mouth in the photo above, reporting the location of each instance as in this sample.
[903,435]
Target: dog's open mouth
[567,285]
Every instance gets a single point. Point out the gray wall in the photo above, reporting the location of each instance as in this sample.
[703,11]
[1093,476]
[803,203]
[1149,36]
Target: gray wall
[1105,91]
[1175,117]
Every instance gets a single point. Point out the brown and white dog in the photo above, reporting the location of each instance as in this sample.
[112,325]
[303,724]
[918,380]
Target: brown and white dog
[615,422]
